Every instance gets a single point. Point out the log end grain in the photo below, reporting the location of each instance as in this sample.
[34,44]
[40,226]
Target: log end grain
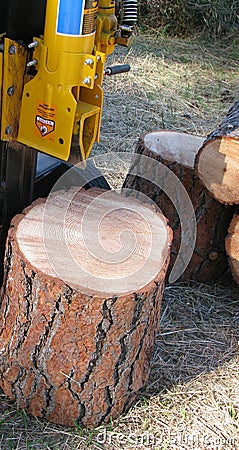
[218,168]
[174,146]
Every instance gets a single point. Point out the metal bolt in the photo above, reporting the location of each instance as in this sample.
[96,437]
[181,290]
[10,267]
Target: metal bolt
[89,61]
[8,130]
[87,80]
[96,76]
[32,63]
[98,58]
[12,50]
[33,44]
[11,91]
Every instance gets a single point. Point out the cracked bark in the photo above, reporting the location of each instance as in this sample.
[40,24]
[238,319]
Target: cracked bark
[177,152]
[218,159]
[68,356]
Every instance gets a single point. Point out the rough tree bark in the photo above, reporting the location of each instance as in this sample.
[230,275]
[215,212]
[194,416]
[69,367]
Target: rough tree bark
[217,162]
[67,353]
[177,151]
[232,245]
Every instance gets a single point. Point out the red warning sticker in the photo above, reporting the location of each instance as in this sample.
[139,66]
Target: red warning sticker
[45,120]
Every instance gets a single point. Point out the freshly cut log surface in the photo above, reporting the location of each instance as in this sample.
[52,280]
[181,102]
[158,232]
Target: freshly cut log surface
[232,245]
[80,304]
[177,152]
[218,160]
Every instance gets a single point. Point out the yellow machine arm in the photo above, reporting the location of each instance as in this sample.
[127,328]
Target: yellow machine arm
[57,102]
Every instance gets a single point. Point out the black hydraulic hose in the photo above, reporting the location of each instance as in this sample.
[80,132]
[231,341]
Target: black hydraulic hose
[130,12]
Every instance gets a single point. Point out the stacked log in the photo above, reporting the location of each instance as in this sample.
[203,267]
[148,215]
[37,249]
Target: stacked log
[78,315]
[177,152]
[217,162]
[217,166]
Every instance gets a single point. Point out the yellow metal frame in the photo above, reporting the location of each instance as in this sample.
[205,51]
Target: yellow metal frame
[106,27]
[59,100]
[56,91]
[13,63]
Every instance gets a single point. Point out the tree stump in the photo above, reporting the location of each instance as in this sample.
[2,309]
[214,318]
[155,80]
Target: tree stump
[232,245]
[177,152]
[78,318]
[218,160]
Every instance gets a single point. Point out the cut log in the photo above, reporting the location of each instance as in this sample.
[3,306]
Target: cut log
[177,152]
[218,160]
[78,315]
[232,245]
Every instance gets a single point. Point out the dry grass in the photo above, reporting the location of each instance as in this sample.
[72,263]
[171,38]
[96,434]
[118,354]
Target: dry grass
[185,85]
[192,396]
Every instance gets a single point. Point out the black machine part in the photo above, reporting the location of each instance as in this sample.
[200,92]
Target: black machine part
[49,170]
[22,19]
[114,70]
